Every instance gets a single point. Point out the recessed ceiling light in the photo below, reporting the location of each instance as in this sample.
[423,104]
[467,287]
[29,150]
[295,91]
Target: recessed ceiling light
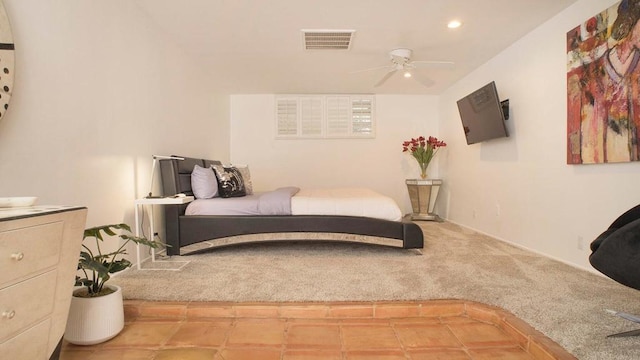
[454,24]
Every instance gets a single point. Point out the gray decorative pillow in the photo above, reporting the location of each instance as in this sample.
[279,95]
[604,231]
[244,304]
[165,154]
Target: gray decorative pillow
[246,177]
[204,183]
[230,183]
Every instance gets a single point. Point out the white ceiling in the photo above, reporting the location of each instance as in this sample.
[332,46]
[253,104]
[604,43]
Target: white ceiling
[255,46]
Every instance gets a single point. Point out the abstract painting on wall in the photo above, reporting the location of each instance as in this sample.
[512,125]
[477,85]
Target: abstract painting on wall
[603,87]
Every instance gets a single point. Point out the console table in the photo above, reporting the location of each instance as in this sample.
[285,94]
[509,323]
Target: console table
[423,194]
[39,251]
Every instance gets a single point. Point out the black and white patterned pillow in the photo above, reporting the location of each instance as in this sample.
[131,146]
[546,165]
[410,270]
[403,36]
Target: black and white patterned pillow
[246,178]
[230,183]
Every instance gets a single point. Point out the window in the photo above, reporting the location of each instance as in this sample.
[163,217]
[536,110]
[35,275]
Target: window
[325,116]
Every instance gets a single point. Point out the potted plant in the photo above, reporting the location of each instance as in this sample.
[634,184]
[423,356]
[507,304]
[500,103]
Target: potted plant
[97,313]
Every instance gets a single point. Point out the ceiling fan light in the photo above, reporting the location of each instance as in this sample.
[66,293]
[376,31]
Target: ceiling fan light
[407,74]
[454,24]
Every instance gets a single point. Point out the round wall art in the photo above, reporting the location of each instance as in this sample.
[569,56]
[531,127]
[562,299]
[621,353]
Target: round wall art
[7,61]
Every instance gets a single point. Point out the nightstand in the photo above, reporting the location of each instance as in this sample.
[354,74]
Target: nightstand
[171,200]
[423,194]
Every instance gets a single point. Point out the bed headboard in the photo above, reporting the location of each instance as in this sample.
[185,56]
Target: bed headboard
[176,174]
[176,178]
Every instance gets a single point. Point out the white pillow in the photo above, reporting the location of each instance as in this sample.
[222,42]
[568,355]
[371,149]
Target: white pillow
[203,182]
[246,177]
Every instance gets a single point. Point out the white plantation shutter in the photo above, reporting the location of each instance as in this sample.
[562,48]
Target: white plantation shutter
[287,116]
[338,115]
[311,116]
[325,116]
[362,118]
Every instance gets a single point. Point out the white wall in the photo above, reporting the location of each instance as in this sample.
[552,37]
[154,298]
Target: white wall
[375,163]
[520,189]
[98,91]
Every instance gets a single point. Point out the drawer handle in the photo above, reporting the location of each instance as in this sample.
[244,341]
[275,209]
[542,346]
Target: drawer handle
[17,256]
[8,314]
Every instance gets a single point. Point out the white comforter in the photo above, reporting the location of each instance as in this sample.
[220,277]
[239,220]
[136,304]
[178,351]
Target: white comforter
[345,201]
[340,201]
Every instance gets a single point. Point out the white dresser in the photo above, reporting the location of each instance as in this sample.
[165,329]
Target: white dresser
[39,251]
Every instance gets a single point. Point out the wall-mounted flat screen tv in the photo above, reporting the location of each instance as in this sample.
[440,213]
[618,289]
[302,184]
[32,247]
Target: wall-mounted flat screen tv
[482,114]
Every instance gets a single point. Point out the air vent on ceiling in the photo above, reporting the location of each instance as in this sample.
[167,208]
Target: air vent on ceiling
[327,39]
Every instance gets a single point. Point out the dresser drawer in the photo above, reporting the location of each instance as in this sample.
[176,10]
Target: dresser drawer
[27,345]
[27,251]
[25,303]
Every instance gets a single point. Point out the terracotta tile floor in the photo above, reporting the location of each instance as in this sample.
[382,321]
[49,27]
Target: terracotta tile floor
[438,329]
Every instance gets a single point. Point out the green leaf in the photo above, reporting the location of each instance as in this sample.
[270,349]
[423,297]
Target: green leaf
[119,265]
[96,232]
[141,240]
[93,265]
[96,268]
[83,282]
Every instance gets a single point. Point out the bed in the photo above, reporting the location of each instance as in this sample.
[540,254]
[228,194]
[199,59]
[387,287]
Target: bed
[186,233]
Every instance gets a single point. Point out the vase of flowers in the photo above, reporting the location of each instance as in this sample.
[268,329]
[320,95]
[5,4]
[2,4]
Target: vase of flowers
[423,150]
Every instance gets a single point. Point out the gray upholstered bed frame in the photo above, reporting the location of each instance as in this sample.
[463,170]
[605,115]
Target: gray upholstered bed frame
[183,231]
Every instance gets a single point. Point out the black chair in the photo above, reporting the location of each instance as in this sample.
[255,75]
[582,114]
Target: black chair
[616,254]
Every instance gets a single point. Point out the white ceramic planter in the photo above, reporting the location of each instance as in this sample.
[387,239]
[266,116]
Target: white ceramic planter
[95,320]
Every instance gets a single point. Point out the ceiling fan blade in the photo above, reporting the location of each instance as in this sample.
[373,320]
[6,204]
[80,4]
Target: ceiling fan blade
[423,80]
[371,69]
[433,63]
[385,77]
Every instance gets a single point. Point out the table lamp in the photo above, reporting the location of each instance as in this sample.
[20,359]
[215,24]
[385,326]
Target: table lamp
[153,170]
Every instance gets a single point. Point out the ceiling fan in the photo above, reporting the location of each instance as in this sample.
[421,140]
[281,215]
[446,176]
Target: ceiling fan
[401,62]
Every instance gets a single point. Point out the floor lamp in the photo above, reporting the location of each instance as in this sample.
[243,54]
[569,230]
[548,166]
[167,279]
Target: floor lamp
[153,171]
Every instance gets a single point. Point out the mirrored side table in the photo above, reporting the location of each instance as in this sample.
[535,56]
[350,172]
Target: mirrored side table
[423,194]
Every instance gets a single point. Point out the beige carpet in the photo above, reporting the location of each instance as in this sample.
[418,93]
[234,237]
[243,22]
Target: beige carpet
[564,303]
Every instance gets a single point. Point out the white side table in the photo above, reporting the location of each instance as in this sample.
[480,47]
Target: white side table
[150,202]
